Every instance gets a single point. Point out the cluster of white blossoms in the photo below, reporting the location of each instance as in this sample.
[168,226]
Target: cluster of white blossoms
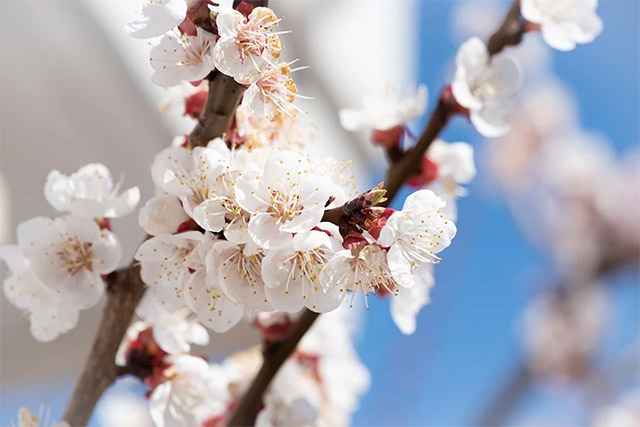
[237,231]
[319,385]
[57,266]
[241,44]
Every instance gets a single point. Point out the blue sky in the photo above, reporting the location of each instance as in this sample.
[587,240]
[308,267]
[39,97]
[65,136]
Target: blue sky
[466,340]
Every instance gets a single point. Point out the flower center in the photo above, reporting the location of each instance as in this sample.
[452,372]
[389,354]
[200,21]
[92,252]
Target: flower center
[75,255]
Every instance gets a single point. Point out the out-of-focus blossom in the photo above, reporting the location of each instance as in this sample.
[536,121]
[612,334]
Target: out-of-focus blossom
[180,57]
[386,109]
[69,255]
[90,191]
[26,418]
[193,392]
[118,408]
[561,330]
[156,18]
[486,86]
[174,331]
[624,413]
[564,22]
[49,314]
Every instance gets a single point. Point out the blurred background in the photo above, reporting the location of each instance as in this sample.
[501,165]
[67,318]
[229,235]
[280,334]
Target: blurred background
[535,315]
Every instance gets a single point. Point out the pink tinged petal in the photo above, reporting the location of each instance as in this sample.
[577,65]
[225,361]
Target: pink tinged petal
[266,232]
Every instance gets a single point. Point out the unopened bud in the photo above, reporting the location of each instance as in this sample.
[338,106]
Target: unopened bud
[389,137]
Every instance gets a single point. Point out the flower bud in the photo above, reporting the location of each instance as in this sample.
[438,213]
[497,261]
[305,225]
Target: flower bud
[428,173]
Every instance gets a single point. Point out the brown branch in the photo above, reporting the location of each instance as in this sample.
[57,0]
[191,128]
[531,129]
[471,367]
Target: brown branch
[124,290]
[223,99]
[274,356]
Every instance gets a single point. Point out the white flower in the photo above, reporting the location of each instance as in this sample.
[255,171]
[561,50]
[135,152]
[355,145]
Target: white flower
[273,93]
[193,393]
[163,260]
[288,197]
[245,44]
[174,331]
[238,270]
[180,57]
[156,18]
[361,270]
[408,302]
[162,215]
[455,167]
[415,234]
[89,191]
[203,294]
[49,315]
[487,86]
[189,174]
[564,22]
[220,211]
[292,274]
[384,110]
[69,254]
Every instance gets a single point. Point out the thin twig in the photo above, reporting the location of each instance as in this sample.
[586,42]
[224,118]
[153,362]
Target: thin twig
[274,356]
